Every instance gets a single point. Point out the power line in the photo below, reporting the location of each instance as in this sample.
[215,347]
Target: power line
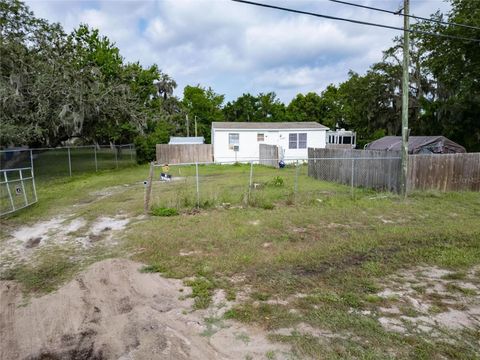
[353,21]
[400,14]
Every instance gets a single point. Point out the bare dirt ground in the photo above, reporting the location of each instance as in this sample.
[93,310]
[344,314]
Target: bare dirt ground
[433,301]
[113,311]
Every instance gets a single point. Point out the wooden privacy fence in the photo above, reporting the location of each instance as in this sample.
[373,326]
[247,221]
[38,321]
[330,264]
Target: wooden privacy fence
[381,169]
[371,169]
[444,172]
[268,155]
[184,153]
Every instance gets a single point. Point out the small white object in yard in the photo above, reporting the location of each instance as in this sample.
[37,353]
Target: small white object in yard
[165,177]
[319,200]
[385,221]
[378,197]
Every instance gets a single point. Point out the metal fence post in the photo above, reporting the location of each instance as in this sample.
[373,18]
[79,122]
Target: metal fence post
[69,162]
[351,182]
[23,188]
[198,188]
[116,157]
[131,152]
[148,190]
[295,188]
[33,185]
[95,155]
[8,190]
[250,182]
[31,159]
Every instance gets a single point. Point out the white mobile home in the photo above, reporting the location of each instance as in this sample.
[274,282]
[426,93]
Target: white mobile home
[239,141]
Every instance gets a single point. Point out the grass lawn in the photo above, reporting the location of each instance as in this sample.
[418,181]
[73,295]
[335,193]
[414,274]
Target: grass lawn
[317,256]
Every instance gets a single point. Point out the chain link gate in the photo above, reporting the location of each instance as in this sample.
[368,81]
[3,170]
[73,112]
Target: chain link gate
[17,189]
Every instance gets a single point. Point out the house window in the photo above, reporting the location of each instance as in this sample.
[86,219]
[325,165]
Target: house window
[297,141]
[260,137]
[292,141]
[347,139]
[302,140]
[233,140]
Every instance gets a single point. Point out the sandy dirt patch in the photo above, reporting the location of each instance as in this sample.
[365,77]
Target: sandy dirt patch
[24,242]
[112,311]
[431,300]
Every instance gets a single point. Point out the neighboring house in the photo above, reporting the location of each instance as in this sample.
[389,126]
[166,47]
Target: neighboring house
[183,140]
[417,145]
[343,139]
[239,141]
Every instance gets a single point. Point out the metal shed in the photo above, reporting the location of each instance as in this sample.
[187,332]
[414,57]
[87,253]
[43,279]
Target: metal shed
[183,140]
[418,145]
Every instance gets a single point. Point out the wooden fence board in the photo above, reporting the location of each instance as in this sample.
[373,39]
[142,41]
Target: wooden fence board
[184,153]
[268,155]
[370,168]
[444,172]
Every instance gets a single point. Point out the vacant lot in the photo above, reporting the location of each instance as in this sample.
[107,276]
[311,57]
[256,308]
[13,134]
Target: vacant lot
[265,272]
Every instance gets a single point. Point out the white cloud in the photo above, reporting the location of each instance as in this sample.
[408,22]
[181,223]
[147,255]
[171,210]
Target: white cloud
[236,48]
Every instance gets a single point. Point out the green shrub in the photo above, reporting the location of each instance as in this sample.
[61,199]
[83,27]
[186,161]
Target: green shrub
[277,182]
[267,206]
[158,132]
[164,211]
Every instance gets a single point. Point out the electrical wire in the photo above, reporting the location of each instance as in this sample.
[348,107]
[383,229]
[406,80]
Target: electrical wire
[354,21]
[400,14]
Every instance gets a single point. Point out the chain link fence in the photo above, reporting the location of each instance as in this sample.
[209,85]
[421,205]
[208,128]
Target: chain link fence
[17,189]
[230,184]
[21,168]
[49,163]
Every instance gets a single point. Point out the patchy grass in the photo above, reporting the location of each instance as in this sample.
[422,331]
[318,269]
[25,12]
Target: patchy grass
[202,291]
[162,211]
[43,276]
[457,288]
[322,252]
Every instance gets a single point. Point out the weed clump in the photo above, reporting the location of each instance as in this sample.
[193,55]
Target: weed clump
[277,182]
[202,291]
[164,211]
[153,269]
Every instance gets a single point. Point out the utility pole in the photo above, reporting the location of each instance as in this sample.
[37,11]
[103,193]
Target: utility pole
[405,88]
[188,130]
[195,125]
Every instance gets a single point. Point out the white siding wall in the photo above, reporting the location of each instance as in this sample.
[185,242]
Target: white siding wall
[315,139]
[248,147]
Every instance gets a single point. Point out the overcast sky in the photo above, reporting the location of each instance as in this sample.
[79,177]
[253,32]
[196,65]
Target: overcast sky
[237,48]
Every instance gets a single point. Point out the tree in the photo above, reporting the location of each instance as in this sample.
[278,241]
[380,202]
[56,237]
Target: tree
[245,108]
[165,86]
[56,86]
[454,66]
[263,107]
[205,105]
[305,108]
